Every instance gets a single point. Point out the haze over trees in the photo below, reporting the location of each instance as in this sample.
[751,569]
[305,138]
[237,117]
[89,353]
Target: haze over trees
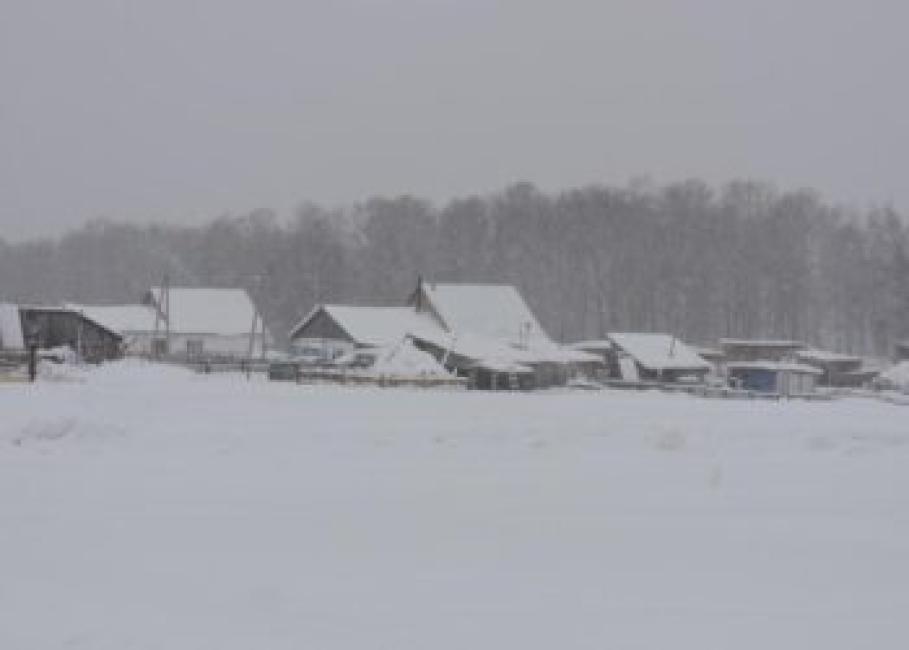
[743,260]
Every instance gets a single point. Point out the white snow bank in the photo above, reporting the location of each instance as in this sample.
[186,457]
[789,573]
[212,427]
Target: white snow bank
[151,507]
[405,360]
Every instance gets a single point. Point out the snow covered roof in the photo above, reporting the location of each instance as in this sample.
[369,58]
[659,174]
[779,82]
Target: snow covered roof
[761,343]
[600,345]
[658,351]
[405,360]
[124,319]
[224,312]
[68,309]
[375,326]
[503,365]
[777,366]
[496,311]
[707,352]
[494,353]
[823,356]
[10,328]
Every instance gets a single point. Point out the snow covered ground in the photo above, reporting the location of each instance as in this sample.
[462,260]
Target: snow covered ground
[145,507]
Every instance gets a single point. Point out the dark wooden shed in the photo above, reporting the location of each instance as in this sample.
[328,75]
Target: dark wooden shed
[60,327]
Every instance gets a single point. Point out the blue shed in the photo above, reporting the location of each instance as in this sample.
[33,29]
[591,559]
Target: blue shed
[763,380]
[773,377]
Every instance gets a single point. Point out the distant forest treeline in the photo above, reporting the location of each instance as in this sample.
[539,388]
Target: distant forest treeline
[743,260]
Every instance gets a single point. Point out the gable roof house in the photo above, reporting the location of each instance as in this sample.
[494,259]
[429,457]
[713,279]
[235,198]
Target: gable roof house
[330,331]
[838,370]
[492,334]
[204,322]
[646,356]
[494,311]
[484,331]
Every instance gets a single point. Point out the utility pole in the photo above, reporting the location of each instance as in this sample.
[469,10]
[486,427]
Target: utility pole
[166,300]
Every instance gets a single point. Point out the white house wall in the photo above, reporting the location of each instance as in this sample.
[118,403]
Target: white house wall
[140,344]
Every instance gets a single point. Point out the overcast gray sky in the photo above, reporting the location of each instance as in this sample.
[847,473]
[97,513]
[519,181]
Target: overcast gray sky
[184,110]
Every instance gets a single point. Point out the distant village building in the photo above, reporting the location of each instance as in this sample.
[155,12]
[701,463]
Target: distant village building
[644,356]
[62,327]
[604,365]
[714,356]
[786,368]
[838,370]
[492,335]
[774,377]
[135,323]
[760,349]
[482,331]
[330,331]
[203,323]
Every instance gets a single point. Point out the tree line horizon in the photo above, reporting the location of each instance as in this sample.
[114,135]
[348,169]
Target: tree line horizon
[742,260]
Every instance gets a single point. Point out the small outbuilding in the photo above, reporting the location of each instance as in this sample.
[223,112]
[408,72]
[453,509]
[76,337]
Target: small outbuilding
[646,356]
[599,357]
[135,323]
[760,349]
[838,370]
[773,377]
[62,327]
[328,332]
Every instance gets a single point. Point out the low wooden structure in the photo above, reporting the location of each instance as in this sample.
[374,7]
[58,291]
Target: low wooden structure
[57,327]
[838,370]
[773,377]
[483,333]
[735,350]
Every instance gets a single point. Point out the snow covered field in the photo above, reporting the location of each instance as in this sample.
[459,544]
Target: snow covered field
[146,507]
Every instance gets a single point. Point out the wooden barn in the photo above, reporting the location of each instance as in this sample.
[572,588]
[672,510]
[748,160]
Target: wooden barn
[59,327]
[484,332]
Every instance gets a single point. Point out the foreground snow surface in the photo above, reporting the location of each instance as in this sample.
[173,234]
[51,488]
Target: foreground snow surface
[146,507]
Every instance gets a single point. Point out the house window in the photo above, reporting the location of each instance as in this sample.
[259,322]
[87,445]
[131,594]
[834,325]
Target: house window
[194,348]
